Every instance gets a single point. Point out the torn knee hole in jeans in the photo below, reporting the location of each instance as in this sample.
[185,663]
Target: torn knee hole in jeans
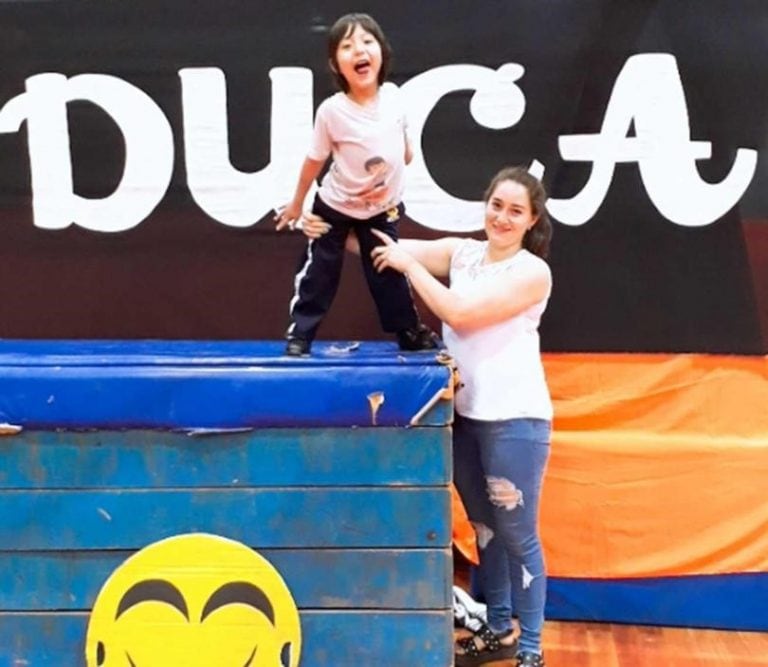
[503,493]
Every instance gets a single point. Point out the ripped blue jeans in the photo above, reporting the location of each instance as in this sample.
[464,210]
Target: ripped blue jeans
[498,470]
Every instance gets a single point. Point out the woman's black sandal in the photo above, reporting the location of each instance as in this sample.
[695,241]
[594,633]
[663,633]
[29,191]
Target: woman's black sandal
[492,649]
[528,659]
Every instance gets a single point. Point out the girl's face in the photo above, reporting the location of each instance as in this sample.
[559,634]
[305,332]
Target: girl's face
[358,59]
[508,215]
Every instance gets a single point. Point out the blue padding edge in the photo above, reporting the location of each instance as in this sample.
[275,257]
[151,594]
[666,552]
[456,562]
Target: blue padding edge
[729,602]
[213,385]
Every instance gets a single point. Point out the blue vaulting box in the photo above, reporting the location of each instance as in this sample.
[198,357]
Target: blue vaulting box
[336,468]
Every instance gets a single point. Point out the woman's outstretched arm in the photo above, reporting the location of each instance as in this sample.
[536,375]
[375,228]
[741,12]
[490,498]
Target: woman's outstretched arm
[510,294]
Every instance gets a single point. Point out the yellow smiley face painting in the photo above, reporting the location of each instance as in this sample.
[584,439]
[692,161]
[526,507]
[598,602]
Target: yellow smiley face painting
[195,600]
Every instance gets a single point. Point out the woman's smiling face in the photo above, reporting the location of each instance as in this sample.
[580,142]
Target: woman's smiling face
[508,215]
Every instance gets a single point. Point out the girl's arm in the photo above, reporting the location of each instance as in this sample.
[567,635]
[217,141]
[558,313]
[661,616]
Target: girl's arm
[291,212]
[510,294]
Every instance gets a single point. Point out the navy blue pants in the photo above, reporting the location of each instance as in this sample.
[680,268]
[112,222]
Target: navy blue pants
[319,272]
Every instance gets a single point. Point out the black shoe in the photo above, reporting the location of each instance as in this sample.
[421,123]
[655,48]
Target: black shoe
[482,647]
[420,337]
[530,659]
[297,347]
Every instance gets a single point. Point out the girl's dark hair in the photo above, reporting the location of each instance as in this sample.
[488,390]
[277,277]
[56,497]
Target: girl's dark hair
[341,29]
[538,237]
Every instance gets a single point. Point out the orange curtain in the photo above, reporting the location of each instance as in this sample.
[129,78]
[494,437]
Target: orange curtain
[659,465]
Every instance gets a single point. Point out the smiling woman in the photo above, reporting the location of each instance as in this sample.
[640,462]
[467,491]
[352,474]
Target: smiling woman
[498,292]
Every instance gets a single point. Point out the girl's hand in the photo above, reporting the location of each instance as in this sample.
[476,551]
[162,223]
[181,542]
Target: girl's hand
[390,255]
[287,216]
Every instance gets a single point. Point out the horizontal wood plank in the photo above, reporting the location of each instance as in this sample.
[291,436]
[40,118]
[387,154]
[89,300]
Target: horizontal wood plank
[293,517]
[262,457]
[317,578]
[330,638]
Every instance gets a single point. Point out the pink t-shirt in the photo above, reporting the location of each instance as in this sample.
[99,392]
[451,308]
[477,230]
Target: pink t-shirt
[366,176]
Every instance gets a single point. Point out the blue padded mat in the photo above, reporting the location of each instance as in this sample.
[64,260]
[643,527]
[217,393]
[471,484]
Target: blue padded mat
[217,385]
[728,601]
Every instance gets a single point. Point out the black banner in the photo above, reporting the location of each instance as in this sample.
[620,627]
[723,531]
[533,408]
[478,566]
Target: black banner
[144,144]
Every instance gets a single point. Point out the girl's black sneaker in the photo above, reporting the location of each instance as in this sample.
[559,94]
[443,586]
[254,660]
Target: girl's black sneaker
[297,347]
[420,337]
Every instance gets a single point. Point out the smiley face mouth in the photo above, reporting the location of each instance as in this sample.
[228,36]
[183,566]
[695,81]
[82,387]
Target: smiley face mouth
[248,662]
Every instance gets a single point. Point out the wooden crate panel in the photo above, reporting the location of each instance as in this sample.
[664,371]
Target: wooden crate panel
[124,443]
[262,457]
[331,639]
[287,517]
[317,578]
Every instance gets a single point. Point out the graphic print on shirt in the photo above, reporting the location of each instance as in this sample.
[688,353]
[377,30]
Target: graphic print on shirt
[375,197]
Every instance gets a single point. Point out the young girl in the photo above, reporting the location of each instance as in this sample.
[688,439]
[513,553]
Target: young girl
[364,130]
